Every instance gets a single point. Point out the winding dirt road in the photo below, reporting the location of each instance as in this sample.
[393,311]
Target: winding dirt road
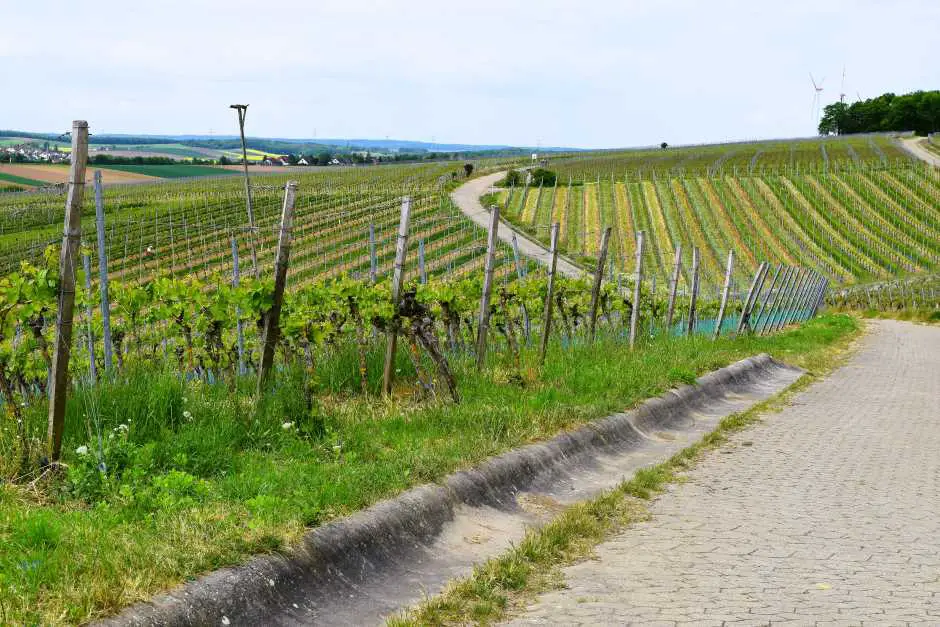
[914,145]
[467,197]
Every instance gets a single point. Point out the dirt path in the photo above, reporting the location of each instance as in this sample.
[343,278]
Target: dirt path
[826,511]
[467,197]
[914,145]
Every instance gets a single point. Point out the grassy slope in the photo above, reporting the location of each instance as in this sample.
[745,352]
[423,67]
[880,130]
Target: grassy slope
[505,583]
[212,490]
[22,180]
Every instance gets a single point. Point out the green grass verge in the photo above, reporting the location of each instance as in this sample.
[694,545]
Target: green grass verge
[198,479]
[170,171]
[22,180]
[504,584]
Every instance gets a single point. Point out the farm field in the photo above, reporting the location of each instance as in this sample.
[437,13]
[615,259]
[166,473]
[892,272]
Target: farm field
[174,171]
[852,220]
[44,174]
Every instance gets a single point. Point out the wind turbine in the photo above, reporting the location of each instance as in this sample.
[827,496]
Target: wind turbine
[818,87]
[842,89]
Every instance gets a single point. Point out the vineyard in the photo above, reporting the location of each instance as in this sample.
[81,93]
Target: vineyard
[850,218]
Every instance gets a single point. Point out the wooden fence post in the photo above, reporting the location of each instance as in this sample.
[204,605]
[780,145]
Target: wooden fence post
[520,274]
[724,295]
[401,250]
[89,312]
[422,271]
[753,294]
[673,288]
[239,330]
[272,329]
[637,292]
[694,293]
[549,293]
[373,260]
[71,240]
[598,278]
[775,298]
[103,274]
[820,297]
[484,322]
[799,277]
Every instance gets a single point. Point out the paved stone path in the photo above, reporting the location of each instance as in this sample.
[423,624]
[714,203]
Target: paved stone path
[826,513]
[467,197]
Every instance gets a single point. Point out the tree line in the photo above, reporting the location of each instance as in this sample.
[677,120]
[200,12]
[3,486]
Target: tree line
[917,111]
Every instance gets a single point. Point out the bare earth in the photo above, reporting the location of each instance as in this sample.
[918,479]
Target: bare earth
[467,197]
[827,513]
[60,173]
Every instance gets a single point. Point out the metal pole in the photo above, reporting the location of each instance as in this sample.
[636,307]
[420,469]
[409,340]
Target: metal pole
[484,320]
[103,274]
[242,111]
[89,312]
[694,295]
[635,310]
[598,278]
[549,293]
[673,287]
[238,319]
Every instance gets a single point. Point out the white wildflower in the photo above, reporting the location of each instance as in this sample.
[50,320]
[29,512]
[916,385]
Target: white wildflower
[226,621]
[287,425]
[82,450]
[187,415]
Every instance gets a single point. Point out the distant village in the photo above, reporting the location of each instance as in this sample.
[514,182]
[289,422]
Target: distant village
[32,153]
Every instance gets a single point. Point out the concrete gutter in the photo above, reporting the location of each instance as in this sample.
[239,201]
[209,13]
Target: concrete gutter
[360,569]
[467,198]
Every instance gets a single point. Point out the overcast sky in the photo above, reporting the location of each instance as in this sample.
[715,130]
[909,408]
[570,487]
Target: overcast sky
[586,74]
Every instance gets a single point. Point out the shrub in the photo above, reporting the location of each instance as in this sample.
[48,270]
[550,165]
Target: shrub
[513,179]
[541,176]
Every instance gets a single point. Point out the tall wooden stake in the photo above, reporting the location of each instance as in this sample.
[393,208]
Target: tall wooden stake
[242,110]
[549,293]
[673,287]
[724,295]
[103,273]
[422,271]
[401,250]
[484,321]
[520,274]
[598,278]
[752,295]
[637,289]
[694,293]
[71,240]
[272,329]
[774,297]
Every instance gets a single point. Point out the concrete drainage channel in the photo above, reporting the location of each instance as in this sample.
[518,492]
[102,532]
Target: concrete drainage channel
[358,570]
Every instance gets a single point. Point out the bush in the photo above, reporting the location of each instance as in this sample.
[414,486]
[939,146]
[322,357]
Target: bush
[468,168]
[513,178]
[541,176]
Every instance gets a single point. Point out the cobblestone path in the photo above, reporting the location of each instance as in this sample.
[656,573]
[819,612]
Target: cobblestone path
[826,513]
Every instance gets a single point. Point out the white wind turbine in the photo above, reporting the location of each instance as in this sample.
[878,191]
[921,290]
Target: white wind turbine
[817,97]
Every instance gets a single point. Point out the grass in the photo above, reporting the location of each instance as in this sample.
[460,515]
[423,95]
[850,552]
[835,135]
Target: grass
[21,180]
[503,584]
[198,479]
[171,171]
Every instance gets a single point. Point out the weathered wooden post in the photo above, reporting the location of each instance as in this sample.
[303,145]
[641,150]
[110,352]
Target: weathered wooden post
[724,295]
[785,310]
[520,274]
[484,319]
[89,313]
[637,289]
[71,240]
[693,296]
[422,271]
[775,298]
[103,274]
[239,330]
[753,294]
[673,288]
[373,260]
[549,293]
[401,250]
[272,329]
[598,279]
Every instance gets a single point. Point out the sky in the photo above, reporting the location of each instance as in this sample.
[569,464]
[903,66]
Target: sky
[591,74]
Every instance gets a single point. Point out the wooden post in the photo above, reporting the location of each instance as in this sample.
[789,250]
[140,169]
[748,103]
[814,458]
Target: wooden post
[422,272]
[694,293]
[637,293]
[89,313]
[242,111]
[724,295]
[272,329]
[103,273]
[401,250]
[240,332]
[484,321]
[520,274]
[784,312]
[71,240]
[753,293]
[373,260]
[673,287]
[549,293]
[774,298]
[598,278]
[820,297]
